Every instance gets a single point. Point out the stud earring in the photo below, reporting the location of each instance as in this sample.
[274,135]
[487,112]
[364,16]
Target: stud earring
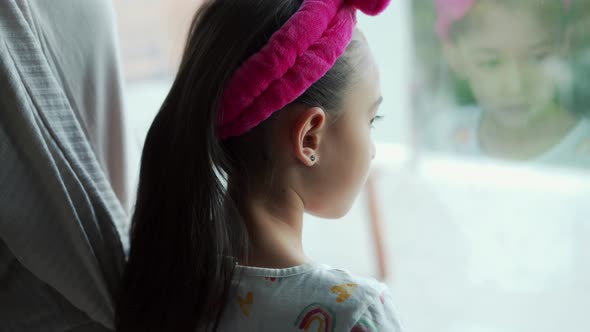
[312,158]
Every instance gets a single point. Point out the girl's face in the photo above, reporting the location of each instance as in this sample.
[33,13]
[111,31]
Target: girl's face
[512,61]
[347,148]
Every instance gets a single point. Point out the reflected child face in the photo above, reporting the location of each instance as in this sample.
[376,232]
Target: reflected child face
[512,60]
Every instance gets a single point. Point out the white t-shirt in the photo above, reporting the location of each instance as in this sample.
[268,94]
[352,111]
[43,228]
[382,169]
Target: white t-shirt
[456,132]
[310,297]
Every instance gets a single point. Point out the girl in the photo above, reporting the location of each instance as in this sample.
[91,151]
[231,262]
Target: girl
[269,117]
[514,56]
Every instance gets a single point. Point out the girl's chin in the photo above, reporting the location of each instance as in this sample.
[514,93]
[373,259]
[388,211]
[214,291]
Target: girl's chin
[513,119]
[332,212]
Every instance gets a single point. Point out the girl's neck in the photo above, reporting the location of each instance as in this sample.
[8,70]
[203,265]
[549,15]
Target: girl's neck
[528,142]
[275,225]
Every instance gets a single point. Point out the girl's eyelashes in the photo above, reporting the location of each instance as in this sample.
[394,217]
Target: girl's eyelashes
[376,118]
[540,57]
[489,63]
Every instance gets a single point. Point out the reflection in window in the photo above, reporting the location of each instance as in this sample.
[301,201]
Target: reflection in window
[506,79]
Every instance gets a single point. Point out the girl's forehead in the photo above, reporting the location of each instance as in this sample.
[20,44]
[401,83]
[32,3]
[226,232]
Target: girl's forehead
[365,90]
[494,26]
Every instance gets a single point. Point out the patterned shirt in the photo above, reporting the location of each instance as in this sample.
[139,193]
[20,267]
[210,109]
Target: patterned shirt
[311,297]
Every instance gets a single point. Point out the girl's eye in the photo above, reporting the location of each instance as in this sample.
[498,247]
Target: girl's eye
[540,57]
[376,118]
[491,63]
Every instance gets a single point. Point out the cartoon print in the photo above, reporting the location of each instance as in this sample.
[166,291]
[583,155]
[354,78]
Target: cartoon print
[316,318]
[344,291]
[246,304]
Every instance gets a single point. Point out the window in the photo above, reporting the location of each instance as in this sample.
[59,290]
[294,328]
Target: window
[481,179]
[484,187]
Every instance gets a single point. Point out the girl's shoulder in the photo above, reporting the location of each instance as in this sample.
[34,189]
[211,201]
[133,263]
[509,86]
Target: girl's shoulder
[311,292]
[365,287]
[574,148]
[316,278]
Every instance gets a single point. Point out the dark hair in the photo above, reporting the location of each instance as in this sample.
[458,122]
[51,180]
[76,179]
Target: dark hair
[187,232]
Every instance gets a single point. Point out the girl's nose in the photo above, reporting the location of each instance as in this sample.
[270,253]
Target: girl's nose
[513,79]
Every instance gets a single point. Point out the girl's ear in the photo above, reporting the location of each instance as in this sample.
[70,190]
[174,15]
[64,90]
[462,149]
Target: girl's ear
[307,133]
[454,59]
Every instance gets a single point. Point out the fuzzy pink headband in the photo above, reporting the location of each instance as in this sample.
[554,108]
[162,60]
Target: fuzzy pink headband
[451,11]
[296,56]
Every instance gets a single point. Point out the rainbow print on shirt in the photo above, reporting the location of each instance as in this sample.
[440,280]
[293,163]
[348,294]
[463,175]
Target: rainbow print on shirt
[316,318]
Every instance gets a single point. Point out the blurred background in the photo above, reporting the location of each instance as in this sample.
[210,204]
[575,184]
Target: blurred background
[477,212]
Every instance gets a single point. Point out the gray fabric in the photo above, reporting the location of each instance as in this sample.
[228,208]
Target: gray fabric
[61,258]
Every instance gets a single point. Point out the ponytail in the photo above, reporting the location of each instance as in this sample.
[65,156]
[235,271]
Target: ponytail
[177,278]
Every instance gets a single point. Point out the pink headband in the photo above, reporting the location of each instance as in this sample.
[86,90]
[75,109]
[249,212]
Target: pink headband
[451,11]
[296,56]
